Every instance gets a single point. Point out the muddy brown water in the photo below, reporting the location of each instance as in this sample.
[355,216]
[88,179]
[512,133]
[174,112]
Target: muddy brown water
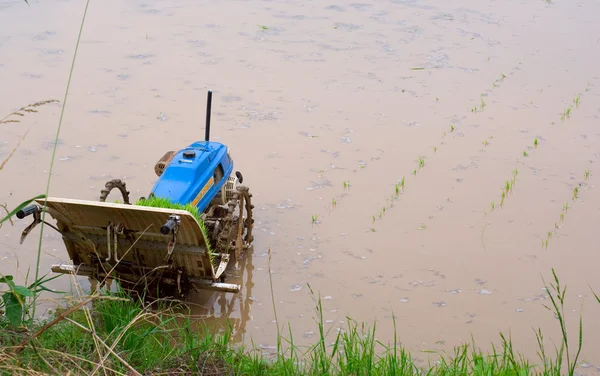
[327,93]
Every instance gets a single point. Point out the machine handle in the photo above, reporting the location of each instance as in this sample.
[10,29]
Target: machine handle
[31,209]
[170,225]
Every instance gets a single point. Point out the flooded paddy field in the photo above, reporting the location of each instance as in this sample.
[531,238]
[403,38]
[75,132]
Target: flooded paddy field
[425,159]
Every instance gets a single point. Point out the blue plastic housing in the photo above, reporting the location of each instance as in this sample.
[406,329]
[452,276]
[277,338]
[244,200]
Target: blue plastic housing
[195,179]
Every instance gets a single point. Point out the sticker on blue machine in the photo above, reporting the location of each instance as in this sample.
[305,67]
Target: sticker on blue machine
[203,191]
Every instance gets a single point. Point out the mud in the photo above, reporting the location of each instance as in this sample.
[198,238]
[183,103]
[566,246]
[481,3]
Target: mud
[310,96]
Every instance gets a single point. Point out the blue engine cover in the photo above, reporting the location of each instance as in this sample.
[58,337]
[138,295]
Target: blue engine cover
[195,174]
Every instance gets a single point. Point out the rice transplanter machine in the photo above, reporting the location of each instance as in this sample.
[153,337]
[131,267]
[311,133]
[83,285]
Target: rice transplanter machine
[196,219]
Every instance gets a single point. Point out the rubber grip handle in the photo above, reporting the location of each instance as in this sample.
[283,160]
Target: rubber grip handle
[168,227]
[27,211]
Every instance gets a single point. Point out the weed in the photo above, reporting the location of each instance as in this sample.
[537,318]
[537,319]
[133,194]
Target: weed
[558,303]
[30,108]
[486,142]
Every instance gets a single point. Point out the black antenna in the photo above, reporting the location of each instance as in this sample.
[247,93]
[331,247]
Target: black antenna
[208,105]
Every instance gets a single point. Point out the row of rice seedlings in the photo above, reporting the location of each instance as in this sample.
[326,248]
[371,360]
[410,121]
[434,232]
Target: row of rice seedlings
[507,188]
[564,210]
[421,160]
[497,81]
[398,188]
[509,184]
[481,106]
[566,114]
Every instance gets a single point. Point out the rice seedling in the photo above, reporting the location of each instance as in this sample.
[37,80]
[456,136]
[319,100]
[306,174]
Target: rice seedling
[575,193]
[486,142]
[566,206]
[502,197]
[493,205]
[482,103]
[397,189]
[263,27]
[474,109]
[333,202]
[402,183]
[452,128]
[421,162]
[373,219]
[525,153]
[435,149]
[586,174]
[562,216]
[315,218]
[576,100]
[414,172]
[437,99]
[507,186]
[502,76]
[566,114]
[535,142]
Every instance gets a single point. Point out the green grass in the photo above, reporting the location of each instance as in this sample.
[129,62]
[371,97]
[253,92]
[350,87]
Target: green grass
[121,335]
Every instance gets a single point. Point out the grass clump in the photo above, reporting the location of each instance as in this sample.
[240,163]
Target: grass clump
[123,336]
